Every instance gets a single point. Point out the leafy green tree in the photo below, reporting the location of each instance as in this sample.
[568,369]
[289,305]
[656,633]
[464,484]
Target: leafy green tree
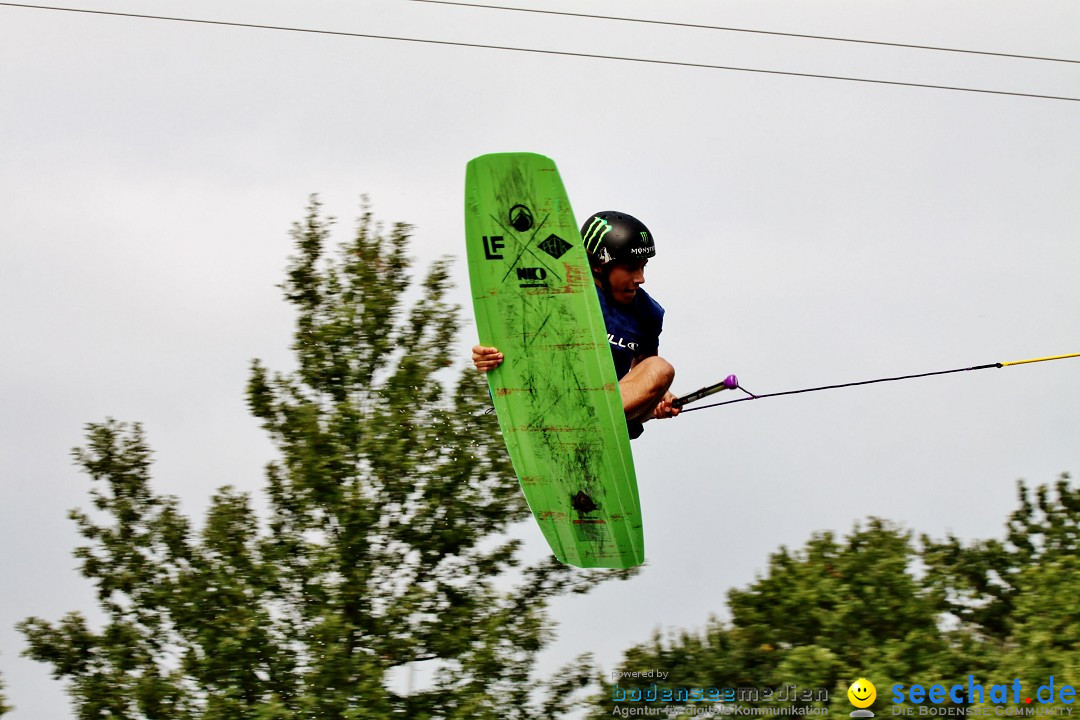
[982,582]
[1020,594]
[4,707]
[837,610]
[383,542]
[820,618]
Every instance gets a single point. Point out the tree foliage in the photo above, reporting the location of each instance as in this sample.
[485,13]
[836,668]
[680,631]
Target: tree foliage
[1019,596]
[877,604]
[4,707]
[383,540]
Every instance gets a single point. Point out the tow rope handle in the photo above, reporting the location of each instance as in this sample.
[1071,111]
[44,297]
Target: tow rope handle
[729,383]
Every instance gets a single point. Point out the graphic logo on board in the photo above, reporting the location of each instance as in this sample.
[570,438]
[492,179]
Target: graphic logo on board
[493,247]
[521,218]
[555,246]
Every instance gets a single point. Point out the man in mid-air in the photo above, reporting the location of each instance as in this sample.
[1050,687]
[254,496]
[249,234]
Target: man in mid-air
[619,247]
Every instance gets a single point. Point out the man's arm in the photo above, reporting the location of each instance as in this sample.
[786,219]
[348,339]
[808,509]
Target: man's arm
[666,407]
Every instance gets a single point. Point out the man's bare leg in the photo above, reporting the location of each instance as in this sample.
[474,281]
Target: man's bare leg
[645,386]
[644,389]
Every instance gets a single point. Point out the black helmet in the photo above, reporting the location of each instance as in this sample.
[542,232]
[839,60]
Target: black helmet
[611,236]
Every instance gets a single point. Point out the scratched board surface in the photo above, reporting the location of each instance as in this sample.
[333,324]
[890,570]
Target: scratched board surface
[555,393]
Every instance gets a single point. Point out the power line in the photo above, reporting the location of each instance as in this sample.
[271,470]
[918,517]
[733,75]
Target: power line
[674,63]
[747,30]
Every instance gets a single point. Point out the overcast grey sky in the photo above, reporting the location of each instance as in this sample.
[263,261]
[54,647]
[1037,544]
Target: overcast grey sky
[808,232]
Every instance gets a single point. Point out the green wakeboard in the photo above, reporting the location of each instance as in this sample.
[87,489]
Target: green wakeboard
[556,393]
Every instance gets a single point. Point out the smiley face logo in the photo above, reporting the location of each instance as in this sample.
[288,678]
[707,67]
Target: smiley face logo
[862,693]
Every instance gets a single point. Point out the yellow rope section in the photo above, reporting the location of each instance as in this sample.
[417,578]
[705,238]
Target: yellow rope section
[1042,359]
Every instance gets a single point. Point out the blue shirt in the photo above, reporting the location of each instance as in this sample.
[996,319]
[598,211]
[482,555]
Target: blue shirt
[633,329]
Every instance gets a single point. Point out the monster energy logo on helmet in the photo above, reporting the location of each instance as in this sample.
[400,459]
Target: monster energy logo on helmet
[612,236]
[593,232]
